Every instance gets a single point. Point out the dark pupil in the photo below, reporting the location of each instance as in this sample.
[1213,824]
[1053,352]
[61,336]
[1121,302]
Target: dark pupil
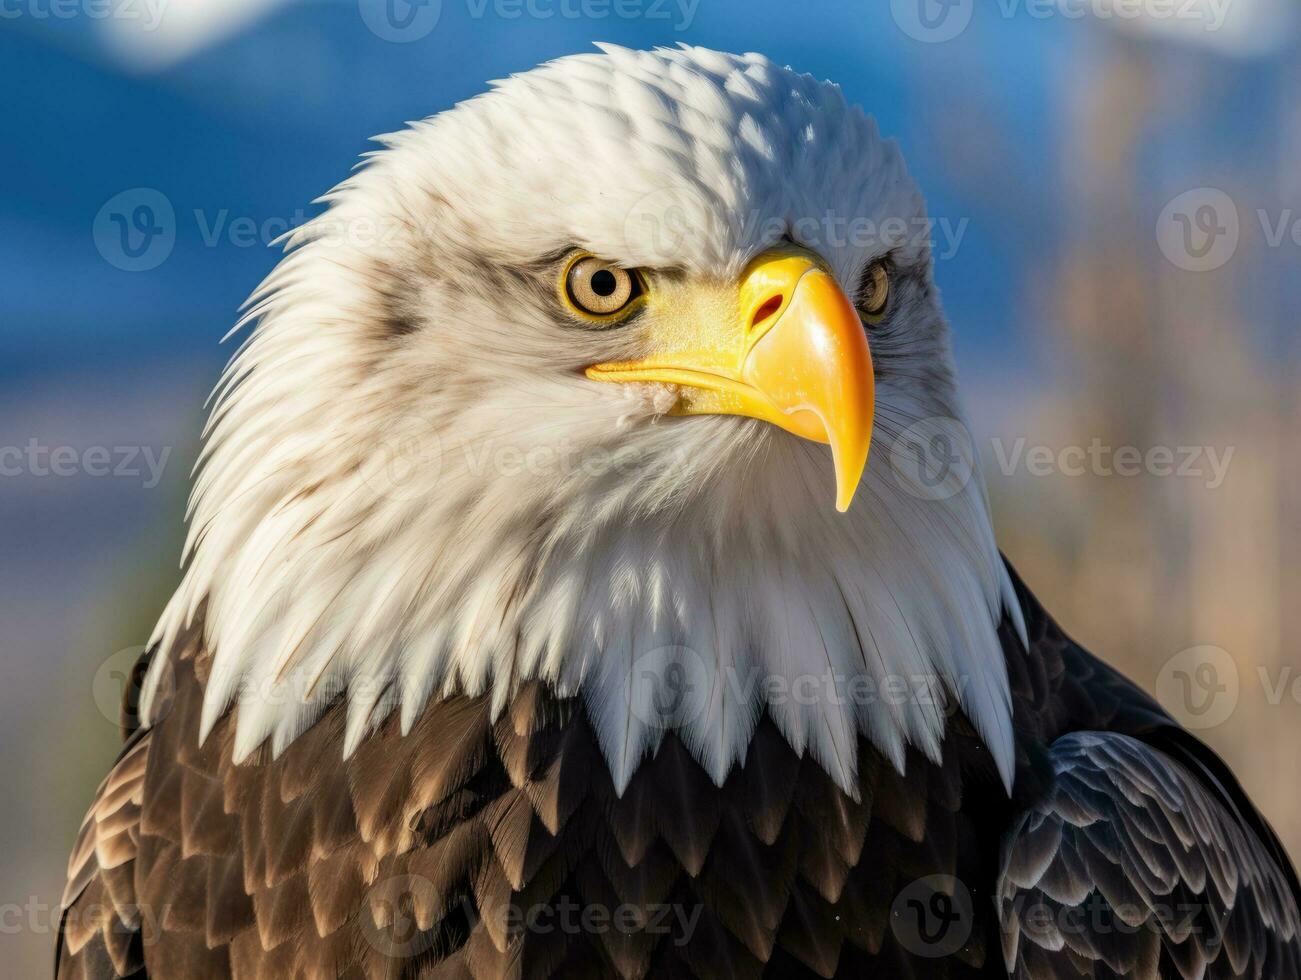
[604,283]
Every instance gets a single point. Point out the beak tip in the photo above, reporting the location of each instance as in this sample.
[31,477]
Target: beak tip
[848,475]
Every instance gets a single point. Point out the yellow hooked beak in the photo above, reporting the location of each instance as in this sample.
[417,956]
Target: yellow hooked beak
[798,358]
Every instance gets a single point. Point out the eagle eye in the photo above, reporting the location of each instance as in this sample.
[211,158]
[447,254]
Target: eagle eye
[874,292]
[599,290]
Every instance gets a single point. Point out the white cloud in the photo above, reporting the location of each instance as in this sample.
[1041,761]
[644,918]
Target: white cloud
[148,35]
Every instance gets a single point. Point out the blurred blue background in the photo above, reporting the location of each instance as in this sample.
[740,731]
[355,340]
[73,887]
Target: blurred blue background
[1052,141]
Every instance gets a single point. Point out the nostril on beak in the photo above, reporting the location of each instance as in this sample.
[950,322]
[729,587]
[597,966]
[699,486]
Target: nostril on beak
[769,307]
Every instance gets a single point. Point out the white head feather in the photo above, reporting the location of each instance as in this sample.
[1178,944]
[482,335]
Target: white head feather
[409,489]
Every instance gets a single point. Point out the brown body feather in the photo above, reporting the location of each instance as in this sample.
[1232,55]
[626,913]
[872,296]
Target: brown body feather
[480,848]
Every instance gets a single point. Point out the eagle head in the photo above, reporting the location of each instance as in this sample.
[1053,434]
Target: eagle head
[577,381]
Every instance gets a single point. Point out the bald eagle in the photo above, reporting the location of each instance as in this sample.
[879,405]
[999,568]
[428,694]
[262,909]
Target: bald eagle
[542,614]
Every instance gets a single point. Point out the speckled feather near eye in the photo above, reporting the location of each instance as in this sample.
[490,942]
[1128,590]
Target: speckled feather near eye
[422,855]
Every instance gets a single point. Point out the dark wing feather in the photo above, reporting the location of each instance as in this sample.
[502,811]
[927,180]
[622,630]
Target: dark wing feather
[100,929]
[1135,866]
